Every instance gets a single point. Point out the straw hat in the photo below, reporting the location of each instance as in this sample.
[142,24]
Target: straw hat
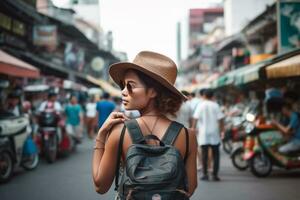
[155,65]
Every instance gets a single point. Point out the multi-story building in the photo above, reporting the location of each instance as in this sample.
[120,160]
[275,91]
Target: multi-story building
[238,14]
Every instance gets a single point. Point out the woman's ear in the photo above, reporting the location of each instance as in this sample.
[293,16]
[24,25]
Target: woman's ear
[152,93]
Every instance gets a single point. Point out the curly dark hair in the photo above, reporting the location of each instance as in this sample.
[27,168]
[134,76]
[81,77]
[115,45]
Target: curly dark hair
[165,101]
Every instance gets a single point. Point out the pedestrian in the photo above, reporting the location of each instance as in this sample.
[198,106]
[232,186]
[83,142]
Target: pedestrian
[13,104]
[185,113]
[195,102]
[118,103]
[91,114]
[74,118]
[148,86]
[104,107]
[211,127]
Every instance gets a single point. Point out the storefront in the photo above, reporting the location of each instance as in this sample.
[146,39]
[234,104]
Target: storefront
[289,67]
[12,66]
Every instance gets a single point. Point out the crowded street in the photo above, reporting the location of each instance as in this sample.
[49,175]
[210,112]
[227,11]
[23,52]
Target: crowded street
[149,100]
[70,178]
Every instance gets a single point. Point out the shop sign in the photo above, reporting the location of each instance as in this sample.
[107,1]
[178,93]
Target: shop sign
[45,35]
[97,64]
[288,25]
[74,57]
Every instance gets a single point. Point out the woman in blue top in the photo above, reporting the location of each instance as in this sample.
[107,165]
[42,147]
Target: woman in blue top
[74,119]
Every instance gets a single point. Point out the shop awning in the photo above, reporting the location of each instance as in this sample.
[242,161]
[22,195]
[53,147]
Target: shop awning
[286,68]
[250,73]
[227,79]
[13,66]
[105,86]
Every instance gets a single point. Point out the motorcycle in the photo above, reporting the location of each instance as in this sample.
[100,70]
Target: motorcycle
[241,152]
[17,148]
[266,154]
[52,139]
[233,133]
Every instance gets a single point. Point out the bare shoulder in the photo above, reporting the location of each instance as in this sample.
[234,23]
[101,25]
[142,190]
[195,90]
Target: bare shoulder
[191,134]
[116,132]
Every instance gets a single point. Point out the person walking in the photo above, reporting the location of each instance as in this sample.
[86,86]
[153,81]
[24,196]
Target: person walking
[184,114]
[209,132]
[104,107]
[147,86]
[195,102]
[91,114]
[74,118]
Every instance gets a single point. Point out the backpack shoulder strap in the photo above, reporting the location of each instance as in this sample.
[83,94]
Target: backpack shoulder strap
[119,158]
[172,133]
[135,132]
[187,144]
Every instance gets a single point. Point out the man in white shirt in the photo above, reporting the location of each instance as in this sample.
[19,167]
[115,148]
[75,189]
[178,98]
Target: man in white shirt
[51,103]
[210,126]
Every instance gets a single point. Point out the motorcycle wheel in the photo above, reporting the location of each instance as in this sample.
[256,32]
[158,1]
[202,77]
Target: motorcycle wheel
[51,149]
[6,166]
[237,159]
[30,162]
[227,146]
[261,165]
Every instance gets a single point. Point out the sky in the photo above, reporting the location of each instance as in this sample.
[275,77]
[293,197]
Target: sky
[145,24]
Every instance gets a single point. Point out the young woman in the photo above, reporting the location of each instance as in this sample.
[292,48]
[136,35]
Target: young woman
[147,86]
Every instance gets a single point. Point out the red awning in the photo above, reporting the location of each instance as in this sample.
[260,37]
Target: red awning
[13,66]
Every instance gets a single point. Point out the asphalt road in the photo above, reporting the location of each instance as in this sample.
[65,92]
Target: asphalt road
[70,178]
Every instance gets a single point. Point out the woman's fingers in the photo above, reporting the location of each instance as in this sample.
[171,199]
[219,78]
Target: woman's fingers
[115,115]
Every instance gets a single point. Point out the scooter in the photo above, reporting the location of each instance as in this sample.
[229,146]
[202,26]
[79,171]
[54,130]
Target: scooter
[234,133]
[241,151]
[17,148]
[266,154]
[52,139]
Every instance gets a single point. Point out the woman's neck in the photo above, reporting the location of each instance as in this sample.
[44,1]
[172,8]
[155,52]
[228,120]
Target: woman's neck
[150,111]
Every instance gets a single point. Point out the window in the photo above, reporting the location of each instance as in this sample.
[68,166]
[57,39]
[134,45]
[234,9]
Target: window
[5,21]
[18,27]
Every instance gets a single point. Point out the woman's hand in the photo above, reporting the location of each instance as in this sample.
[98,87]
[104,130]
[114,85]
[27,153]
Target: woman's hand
[113,119]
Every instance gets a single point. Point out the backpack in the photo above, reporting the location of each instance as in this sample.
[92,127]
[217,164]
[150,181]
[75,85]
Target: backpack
[152,172]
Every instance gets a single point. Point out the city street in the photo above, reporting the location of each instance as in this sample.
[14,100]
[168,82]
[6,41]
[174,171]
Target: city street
[226,68]
[70,178]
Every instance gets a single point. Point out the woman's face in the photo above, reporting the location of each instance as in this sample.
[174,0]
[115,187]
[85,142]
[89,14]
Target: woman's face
[135,95]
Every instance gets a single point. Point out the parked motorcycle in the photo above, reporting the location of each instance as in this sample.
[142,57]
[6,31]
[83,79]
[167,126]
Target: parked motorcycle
[233,133]
[17,148]
[241,152]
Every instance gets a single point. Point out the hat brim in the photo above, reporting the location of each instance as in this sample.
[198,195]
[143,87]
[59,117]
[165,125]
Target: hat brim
[117,72]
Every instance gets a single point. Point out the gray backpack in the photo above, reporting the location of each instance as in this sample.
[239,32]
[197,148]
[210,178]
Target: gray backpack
[152,172]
